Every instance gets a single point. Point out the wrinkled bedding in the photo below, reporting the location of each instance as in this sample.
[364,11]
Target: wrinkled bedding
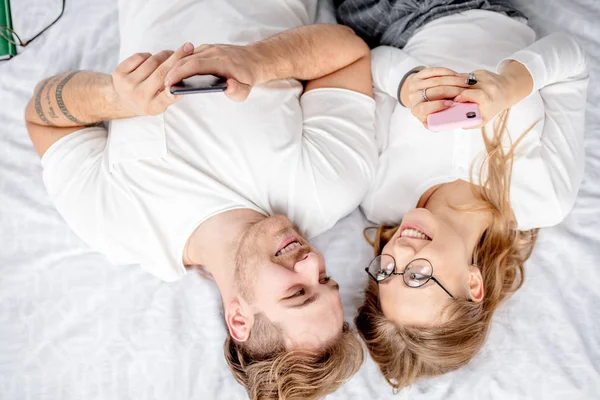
[74,327]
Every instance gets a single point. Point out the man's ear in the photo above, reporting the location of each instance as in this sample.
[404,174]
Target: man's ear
[239,319]
[476,284]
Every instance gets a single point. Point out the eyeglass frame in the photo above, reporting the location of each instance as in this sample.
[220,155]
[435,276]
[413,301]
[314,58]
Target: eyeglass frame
[19,42]
[431,277]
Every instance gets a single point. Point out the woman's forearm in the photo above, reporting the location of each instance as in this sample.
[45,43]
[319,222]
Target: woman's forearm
[307,52]
[76,98]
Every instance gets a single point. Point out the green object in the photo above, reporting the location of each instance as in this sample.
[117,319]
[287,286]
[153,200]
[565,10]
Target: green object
[7,48]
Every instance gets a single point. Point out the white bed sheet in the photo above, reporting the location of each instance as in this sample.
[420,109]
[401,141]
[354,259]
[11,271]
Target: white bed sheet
[74,327]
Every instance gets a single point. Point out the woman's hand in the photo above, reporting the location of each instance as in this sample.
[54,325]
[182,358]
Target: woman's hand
[495,93]
[491,93]
[138,81]
[238,64]
[440,85]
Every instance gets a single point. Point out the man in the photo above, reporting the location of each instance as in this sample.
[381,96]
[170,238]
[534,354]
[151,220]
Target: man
[209,181]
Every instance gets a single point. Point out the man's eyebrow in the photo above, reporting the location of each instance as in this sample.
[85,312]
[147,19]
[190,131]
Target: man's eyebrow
[311,299]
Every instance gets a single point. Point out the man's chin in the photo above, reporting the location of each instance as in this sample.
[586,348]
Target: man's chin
[278,227]
[278,223]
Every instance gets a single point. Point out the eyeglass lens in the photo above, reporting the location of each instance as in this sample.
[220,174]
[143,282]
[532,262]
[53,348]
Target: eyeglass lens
[417,273]
[7,34]
[381,267]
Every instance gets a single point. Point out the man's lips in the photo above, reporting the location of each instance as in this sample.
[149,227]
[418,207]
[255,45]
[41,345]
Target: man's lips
[288,244]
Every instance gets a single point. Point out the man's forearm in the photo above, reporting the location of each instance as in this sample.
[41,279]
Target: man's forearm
[307,52]
[77,98]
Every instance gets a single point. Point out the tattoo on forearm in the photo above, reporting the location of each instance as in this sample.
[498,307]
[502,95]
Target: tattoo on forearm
[60,101]
[38,104]
[48,99]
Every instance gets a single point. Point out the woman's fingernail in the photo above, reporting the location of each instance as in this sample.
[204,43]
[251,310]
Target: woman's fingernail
[457,98]
[188,47]
[448,103]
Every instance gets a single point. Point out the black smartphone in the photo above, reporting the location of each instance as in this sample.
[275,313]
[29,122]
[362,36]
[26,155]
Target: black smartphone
[200,84]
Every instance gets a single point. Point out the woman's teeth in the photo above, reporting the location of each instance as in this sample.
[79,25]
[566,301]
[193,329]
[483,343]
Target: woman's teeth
[288,248]
[413,233]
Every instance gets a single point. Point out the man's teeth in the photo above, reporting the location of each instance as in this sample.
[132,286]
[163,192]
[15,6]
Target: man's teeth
[288,248]
[413,233]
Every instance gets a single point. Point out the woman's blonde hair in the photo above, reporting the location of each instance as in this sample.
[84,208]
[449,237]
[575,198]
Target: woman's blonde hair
[406,353]
[268,372]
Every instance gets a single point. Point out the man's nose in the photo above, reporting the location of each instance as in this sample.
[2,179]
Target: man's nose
[309,267]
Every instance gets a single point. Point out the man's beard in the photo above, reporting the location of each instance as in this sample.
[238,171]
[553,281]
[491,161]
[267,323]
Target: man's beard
[249,255]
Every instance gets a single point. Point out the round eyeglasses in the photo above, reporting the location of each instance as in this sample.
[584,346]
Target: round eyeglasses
[416,274]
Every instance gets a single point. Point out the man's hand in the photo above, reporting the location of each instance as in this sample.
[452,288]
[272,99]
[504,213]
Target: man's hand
[238,64]
[305,53]
[138,81]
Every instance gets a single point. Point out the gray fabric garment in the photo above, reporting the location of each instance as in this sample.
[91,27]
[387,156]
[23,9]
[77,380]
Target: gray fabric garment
[393,22]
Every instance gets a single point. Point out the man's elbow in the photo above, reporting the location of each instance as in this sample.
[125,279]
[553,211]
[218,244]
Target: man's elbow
[351,41]
[30,110]
[362,47]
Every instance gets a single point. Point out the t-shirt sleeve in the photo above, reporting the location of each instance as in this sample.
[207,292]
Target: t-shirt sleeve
[72,157]
[94,204]
[338,157]
[559,70]
[389,65]
[71,171]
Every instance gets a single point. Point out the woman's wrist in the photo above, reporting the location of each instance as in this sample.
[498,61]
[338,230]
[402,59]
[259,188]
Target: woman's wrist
[520,81]
[402,93]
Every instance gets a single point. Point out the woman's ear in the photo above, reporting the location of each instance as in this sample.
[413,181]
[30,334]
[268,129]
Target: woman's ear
[475,284]
[239,320]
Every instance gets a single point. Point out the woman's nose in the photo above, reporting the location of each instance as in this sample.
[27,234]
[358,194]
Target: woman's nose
[403,253]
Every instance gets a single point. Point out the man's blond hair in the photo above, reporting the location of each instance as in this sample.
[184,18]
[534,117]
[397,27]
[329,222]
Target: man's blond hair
[264,367]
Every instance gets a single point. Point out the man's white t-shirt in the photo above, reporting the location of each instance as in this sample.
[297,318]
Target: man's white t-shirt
[137,192]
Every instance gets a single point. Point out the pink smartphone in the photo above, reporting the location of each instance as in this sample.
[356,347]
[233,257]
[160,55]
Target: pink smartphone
[458,115]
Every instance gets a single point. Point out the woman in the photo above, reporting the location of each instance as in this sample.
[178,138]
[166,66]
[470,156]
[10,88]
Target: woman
[458,211]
